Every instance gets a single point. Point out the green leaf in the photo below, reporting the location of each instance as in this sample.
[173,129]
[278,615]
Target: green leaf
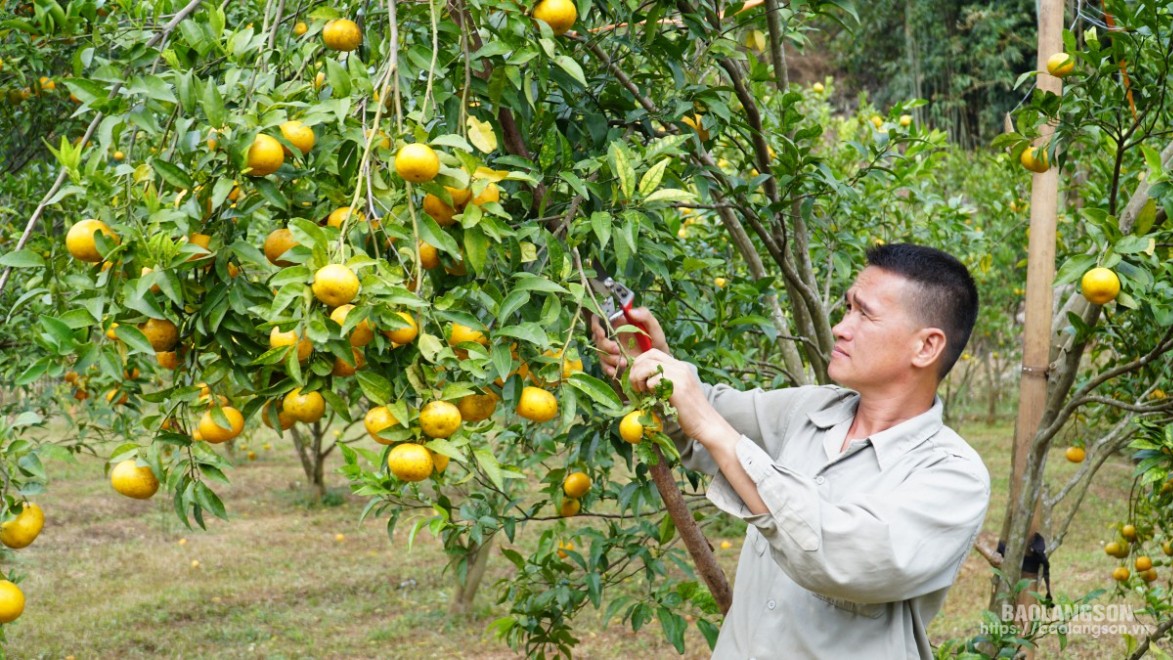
[375,387]
[671,195]
[214,104]
[134,338]
[22,259]
[528,331]
[488,462]
[674,626]
[621,168]
[601,224]
[338,78]
[598,391]
[476,248]
[651,179]
[571,67]
[172,174]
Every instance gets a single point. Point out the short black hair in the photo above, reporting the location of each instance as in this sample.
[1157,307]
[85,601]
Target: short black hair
[947,298]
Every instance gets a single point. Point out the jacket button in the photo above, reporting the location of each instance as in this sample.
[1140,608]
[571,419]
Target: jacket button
[770,604]
[819,480]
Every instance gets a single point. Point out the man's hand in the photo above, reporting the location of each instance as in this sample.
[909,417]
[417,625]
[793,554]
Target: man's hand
[697,417]
[610,356]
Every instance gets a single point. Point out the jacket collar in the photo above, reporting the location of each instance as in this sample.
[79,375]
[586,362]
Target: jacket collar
[891,443]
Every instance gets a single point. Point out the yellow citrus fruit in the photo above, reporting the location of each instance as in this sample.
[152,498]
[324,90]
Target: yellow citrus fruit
[458,334]
[1167,548]
[537,405]
[113,398]
[119,156]
[1128,532]
[278,338]
[340,215]
[167,359]
[429,256]
[162,334]
[134,480]
[410,462]
[1076,454]
[1120,574]
[563,548]
[216,434]
[342,369]
[634,431]
[11,602]
[335,285]
[439,210]
[439,419]
[477,407]
[1060,65]
[23,530]
[377,419]
[299,135]
[439,462]
[576,484]
[697,125]
[570,507]
[341,34]
[1143,563]
[277,243]
[80,240]
[817,88]
[719,282]
[491,193]
[284,419]
[404,335]
[300,28]
[1100,286]
[1035,160]
[306,407]
[265,156]
[1149,575]
[361,334]
[417,163]
[558,14]
[905,121]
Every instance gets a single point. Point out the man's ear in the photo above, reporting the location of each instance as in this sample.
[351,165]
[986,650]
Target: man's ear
[930,347]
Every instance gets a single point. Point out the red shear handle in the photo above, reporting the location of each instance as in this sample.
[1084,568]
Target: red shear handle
[644,339]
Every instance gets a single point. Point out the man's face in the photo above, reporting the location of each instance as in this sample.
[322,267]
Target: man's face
[877,338]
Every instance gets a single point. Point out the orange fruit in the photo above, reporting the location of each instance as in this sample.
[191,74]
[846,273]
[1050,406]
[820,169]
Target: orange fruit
[569,508]
[341,34]
[576,484]
[1143,563]
[277,243]
[265,156]
[491,193]
[1149,575]
[1120,574]
[458,334]
[340,215]
[429,256]
[306,407]
[134,480]
[1076,454]
[632,430]
[361,334]
[113,398]
[439,462]
[695,123]
[1035,160]
[23,530]
[162,334]
[417,163]
[343,370]
[410,462]
[300,28]
[1060,65]
[439,419]
[563,548]
[11,602]
[216,434]
[335,285]
[558,14]
[439,210]
[1100,286]
[278,338]
[477,407]
[1128,532]
[80,240]
[377,419]
[299,135]
[404,335]
[537,405]
[284,419]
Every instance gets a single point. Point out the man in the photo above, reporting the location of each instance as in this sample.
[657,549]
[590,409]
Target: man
[861,504]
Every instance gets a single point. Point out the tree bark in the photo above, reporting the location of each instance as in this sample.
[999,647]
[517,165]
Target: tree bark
[466,590]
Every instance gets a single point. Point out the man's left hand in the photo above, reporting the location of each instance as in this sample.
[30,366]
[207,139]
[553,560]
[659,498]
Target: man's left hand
[697,417]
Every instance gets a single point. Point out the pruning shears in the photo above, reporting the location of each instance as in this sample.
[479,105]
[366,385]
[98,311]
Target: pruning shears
[615,293]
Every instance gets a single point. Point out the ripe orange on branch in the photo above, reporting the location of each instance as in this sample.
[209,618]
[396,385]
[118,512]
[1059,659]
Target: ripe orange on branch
[477,407]
[576,484]
[162,334]
[1035,160]
[11,602]
[335,285]
[632,430]
[216,434]
[537,405]
[558,14]
[341,34]
[24,529]
[80,240]
[361,334]
[404,335]
[417,163]
[377,419]
[265,156]
[1100,286]
[277,243]
[278,338]
[440,419]
[307,407]
[134,480]
[1060,65]
[299,135]
[410,462]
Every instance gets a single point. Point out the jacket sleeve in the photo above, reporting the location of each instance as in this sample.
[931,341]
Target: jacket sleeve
[870,547]
[748,412]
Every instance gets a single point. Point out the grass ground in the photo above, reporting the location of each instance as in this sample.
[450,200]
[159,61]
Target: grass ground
[113,577]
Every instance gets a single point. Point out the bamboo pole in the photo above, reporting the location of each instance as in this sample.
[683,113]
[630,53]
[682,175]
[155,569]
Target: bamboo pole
[1040,280]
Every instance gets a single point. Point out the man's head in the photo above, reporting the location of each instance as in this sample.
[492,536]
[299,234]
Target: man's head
[910,311]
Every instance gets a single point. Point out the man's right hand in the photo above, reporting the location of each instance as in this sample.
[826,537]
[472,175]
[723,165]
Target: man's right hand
[610,356]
